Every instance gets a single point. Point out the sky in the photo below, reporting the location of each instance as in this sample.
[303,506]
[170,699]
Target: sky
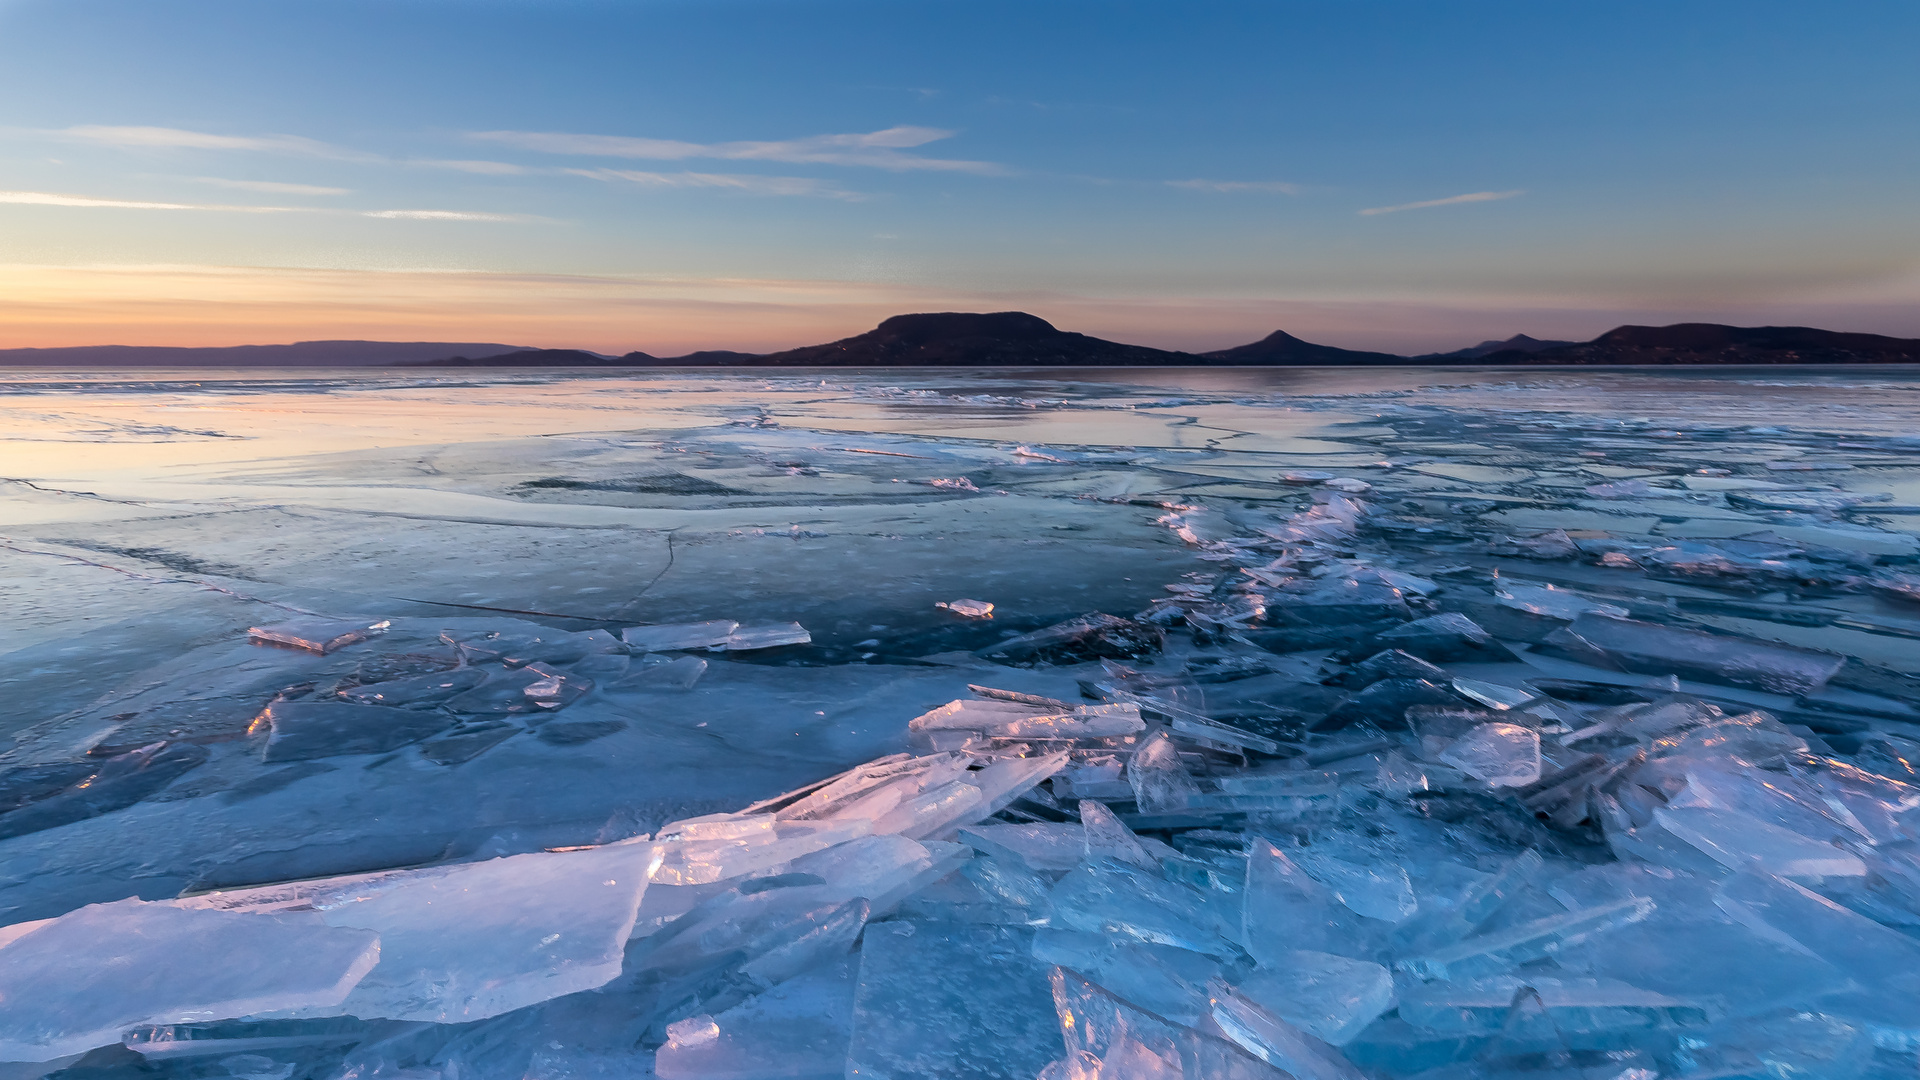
[759,174]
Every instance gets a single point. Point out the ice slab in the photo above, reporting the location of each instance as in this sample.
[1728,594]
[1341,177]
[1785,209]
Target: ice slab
[767,636]
[1873,955]
[420,691]
[533,690]
[1495,952]
[798,1030]
[1551,600]
[1735,841]
[971,609]
[1159,780]
[303,730]
[940,999]
[1287,910]
[1107,1036]
[1653,649]
[1482,1007]
[700,635]
[679,673]
[94,789]
[474,940]
[315,635]
[1275,1041]
[79,981]
[1333,998]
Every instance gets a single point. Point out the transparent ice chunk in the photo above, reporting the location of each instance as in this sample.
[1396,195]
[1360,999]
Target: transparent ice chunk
[1105,836]
[1168,981]
[1551,600]
[1100,1027]
[1159,781]
[971,609]
[77,982]
[679,673]
[1873,955]
[771,635]
[1735,841]
[534,689]
[1275,1041]
[1377,892]
[928,992]
[677,636]
[798,1030]
[315,634]
[1495,695]
[1653,649]
[421,691]
[1286,910]
[1571,1004]
[473,940]
[1504,755]
[1494,953]
[1332,998]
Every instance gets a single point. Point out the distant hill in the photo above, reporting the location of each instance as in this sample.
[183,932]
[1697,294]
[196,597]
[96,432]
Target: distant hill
[951,338]
[299,354]
[1712,343]
[1281,347]
[1516,343]
[541,358]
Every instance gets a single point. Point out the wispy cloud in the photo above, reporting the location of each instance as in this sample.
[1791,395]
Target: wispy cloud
[442,215]
[482,168]
[873,149]
[273,187]
[47,198]
[753,185]
[1269,187]
[1476,196]
[163,138]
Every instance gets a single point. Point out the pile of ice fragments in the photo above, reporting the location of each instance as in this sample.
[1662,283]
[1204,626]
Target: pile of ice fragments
[1310,817]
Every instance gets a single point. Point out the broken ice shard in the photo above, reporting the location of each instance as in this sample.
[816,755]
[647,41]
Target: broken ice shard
[1492,953]
[1873,955]
[1159,781]
[94,789]
[652,673]
[1332,998]
[421,691]
[1571,1004]
[1551,600]
[318,635]
[1653,649]
[302,730]
[768,636]
[1286,909]
[972,609]
[473,940]
[700,635]
[1089,637]
[1443,637]
[76,982]
[1736,841]
[1504,755]
[929,991]
[533,689]
[1275,1041]
[1109,1037]
[1378,892]
[1496,695]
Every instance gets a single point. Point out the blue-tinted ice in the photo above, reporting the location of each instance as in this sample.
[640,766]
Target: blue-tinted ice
[1566,727]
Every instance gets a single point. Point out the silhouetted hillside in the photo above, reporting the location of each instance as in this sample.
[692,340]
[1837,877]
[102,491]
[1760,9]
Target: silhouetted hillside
[542,358]
[1003,338]
[1281,347]
[1712,343]
[299,354]
[1516,343]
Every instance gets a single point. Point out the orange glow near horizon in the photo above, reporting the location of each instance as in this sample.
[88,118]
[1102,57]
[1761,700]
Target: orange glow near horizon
[210,306]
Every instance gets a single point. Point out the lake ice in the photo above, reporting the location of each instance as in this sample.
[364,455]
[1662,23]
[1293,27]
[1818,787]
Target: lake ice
[1322,723]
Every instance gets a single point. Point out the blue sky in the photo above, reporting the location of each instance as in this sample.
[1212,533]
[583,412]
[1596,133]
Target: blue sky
[666,175]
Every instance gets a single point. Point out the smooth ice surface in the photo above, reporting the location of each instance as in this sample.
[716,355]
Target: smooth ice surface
[1332,998]
[947,1000]
[78,981]
[1504,755]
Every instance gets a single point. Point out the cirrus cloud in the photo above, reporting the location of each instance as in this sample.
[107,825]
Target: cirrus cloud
[873,149]
[1451,200]
[1269,187]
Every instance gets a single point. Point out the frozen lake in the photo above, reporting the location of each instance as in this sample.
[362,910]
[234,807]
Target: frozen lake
[1689,680]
